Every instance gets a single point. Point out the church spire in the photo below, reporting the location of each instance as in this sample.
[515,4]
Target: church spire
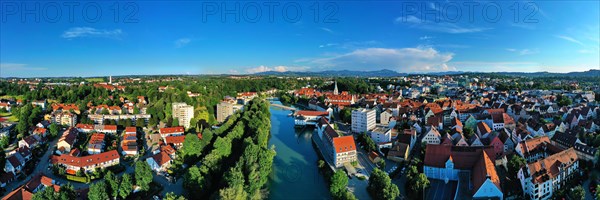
[335,90]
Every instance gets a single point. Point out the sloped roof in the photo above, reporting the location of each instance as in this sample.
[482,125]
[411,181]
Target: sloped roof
[344,144]
[169,130]
[161,158]
[464,157]
[548,167]
[85,160]
[484,168]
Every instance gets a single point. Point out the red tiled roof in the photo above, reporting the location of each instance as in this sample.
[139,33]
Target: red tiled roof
[483,127]
[85,126]
[464,157]
[344,144]
[483,169]
[312,113]
[39,130]
[175,139]
[167,149]
[18,194]
[130,129]
[548,168]
[69,136]
[86,160]
[169,130]
[161,158]
[110,127]
[64,107]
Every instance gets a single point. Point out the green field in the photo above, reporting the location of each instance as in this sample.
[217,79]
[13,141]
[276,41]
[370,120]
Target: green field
[19,97]
[94,79]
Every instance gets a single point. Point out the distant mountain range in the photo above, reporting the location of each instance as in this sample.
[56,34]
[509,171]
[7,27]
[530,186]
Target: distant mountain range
[391,73]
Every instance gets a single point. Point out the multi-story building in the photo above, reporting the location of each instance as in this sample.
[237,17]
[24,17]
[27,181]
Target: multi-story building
[344,150]
[337,149]
[385,116]
[96,143]
[381,134]
[473,166]
[363,120]
[64,118]
[224,110]
[541,178]
[67,140]
[129,145]
[86,163]
[309,117]
[184,113]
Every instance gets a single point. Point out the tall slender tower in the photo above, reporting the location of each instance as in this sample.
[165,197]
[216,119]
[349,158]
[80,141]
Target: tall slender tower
[335,90]
[109,79]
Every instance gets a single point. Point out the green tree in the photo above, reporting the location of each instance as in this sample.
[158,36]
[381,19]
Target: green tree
[233,193]
[98,191]
[339,181]
[175,121]
[321,164]
[173,196]
[54,130]
[598,188]
[381,187]
[112,183]
[468,132]
[126,186]
[194,181]
[381,164]
[143,175]
[515,163]
[192,147]
[105,111]
[419,183]
[577,193]
[45,194]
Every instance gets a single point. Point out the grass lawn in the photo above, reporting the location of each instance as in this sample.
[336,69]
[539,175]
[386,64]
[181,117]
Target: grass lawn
[5,114]
[13,118]
[94,79]
[19,97]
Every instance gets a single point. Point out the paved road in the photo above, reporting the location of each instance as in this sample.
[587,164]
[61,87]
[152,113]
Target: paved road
[41,167]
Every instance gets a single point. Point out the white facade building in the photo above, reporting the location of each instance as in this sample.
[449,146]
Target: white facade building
[184,113]
[381,134]
[363,120]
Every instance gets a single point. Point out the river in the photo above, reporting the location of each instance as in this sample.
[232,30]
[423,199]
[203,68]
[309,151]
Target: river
[295,174]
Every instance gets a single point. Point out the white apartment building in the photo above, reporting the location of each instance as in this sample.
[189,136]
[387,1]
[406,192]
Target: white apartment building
[540,179]
[224,110]
[363,120]
[184,113]
[381,134]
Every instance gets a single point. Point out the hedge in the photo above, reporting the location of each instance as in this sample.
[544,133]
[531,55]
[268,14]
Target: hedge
[81,179]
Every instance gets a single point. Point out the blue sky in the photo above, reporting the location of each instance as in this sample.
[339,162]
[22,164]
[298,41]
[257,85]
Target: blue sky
[193,37]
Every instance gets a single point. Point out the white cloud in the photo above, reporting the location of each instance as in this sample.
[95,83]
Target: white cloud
[420,59]
[444,27]
[327,30]
[508,66]
[570,39]
[280,68]
[327,45]
[18,67]
[76,32]
[523,52]
[425,37]
[181,42]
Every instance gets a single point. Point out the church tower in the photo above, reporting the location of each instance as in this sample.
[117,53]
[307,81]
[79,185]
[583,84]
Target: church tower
[335,90]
